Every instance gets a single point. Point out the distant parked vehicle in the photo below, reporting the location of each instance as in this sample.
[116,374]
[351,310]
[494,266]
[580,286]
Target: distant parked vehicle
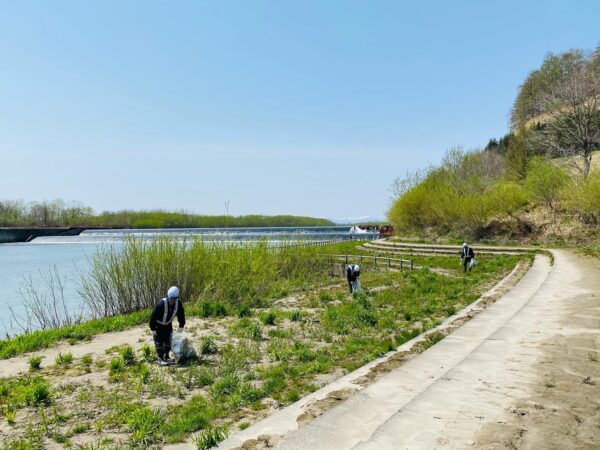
[386,231]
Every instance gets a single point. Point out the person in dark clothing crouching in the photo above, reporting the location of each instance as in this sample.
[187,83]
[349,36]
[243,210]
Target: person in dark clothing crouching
[161,322]
[467,255]
[352,275]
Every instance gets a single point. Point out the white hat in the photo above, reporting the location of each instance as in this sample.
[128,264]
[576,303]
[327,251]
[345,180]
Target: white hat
[173,292]
[464,244]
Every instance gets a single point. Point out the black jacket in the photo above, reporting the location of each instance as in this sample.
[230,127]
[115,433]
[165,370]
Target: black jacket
[351,274]
[159,311]
[467,252]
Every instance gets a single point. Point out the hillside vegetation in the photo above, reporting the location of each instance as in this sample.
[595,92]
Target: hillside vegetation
[539,181]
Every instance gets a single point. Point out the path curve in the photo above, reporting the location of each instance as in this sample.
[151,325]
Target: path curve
[524,373]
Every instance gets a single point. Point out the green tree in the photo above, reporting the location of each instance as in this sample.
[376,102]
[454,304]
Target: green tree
[545,182]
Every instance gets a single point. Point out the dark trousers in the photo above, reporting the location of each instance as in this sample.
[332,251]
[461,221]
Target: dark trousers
[466,262]
[162,341]
[351,280]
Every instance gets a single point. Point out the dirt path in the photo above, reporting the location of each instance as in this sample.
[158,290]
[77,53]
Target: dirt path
[136,337]
[525,373]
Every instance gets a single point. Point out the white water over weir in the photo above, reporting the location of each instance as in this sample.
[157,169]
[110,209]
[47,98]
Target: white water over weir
[272,234]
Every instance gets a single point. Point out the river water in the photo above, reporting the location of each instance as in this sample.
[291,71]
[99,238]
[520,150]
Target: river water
[69,257]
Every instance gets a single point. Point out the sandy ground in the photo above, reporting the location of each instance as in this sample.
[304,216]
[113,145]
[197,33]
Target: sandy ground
[525,373]
[560,407]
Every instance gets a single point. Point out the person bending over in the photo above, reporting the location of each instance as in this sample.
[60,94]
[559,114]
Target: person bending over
[352,275]
[467,255]
[161,322]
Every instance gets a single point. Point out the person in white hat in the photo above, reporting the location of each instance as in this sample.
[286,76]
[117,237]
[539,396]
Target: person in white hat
[467,255]
[161,322]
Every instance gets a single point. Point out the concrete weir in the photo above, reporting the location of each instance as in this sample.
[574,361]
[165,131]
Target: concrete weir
[14,235]
[460,391]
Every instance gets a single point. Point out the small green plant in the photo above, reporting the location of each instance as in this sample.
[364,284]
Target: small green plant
[145,425]
[245,311]
[59,438]
[10,412]
[247,328]
[210,437]
[148,353]
[128,355]
[208,346]
[192,416]
[325,297]
[81,428]
[116,369]
[225,385]
[295,316]
[204,377]
[63,359]
[292,396]
[268,317]
[87,360]
[35,363]
[450,310]
[244,425]
[38,393]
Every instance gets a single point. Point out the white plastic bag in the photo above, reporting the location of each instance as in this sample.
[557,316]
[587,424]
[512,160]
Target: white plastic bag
[181,345]
[472,262]
[356,285]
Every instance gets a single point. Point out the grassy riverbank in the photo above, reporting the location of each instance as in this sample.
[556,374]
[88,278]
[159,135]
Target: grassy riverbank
[253,360]
[214,280]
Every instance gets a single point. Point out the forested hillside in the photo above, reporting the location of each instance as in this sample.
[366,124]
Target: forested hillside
[539,181]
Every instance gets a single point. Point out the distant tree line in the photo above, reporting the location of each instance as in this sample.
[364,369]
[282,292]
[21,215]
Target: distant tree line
[59,213]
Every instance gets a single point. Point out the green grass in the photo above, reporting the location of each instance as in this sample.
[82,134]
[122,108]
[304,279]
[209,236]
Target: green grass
[210,438]
[35,363]
[294,268]
[258,362]
[194,415]
[63,359]
[208,346]
[25,391]
[593,249]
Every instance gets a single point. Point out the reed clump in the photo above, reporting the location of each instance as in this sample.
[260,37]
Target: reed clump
[133,278]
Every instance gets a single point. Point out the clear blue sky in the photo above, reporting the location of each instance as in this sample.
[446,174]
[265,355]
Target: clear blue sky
[305,107]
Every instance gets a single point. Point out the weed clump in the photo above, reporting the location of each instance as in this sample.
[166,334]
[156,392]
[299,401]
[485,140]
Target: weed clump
[268,317]
[35,363]
[63,359]
[128,355]
[208,346]
[246,328]
[211,437]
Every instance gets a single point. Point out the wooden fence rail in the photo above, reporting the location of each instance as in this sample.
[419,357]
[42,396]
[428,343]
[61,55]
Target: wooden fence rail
[402,263]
